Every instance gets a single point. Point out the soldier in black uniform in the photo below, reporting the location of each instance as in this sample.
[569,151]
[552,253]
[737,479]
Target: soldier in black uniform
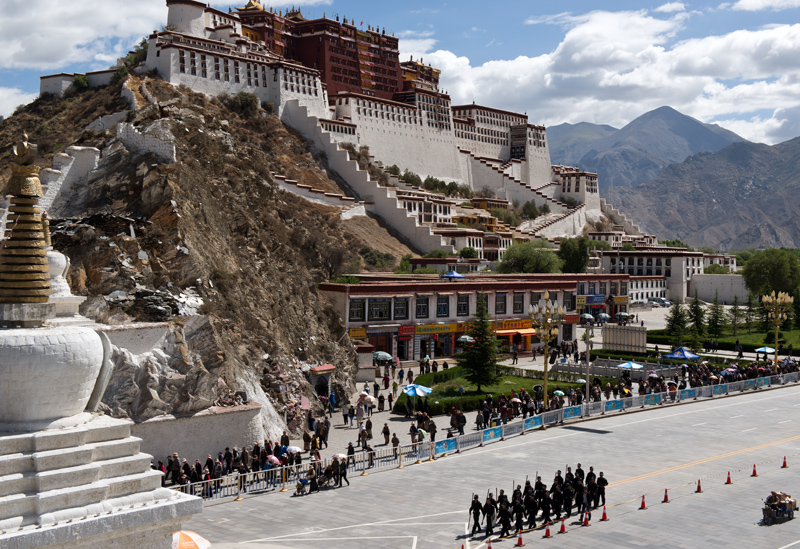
[579,473]
[517,494]
[531,508]
[569,494]
[569,477]
[546,504]
[504,517]
[528,488]
[502,498]
[489,510]
[476,509]
[558,480]
[558,500]
[539,484]
[602,482]
[519,514]
[578,493]
[591,487]
[590,475]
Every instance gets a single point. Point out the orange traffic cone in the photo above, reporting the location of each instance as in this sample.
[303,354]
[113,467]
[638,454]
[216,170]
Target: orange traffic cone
[490,544]
[729,478]
[784,466]
[586,519]
[699,489]
[605,516]
[519,541]
[642,506]
[666,496]
[754,471]
[563,527]
[547,532]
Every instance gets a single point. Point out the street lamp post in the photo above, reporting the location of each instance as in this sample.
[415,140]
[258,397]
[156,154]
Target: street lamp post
[546,317]
[588,334]
[777,306]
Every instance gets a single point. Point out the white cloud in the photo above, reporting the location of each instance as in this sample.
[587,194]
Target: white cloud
[11,98]
[414,34]
[671,7]
[611,67]
[70,32]
[760,5]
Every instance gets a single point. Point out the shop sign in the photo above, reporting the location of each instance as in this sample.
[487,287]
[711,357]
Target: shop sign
[382,330]
[599,299]
[515,324]
[580,300]
[620,299]
[358,333]
[423,329]
[572,319]
[406,330]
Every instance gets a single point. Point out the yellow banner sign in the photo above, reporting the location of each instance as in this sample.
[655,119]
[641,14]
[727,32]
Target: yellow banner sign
[620,299]
[423,329]
[358,333]
[580,300]
[514,324]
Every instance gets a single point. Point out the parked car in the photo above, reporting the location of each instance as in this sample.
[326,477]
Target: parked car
[659,301]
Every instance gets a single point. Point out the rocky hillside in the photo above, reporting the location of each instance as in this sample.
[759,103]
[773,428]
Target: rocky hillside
[637,152]
[740,197]
[209,245]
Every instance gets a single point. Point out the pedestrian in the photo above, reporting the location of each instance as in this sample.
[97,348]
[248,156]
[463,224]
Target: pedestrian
[475,509]
[513,353]
[381,403]
[385,431]
[332,403]
[488,513]
[602,482]
[351,455]
[352,414]
[368,426]
[395,444]
[412,431]
[432,430]
[345,413]
[394,389]
[504,517]
[391,398]
[343,472]
[400,375]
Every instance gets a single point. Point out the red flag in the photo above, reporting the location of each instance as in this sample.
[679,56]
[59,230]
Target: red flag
[362,22]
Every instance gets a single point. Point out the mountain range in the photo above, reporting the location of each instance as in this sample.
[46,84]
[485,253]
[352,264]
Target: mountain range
[636,153]
[740,197]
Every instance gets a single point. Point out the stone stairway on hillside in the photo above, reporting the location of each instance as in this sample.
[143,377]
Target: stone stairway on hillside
[381,200]
[620,218]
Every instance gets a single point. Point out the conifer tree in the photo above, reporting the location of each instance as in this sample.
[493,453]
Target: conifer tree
[716,318]
[749,312]
[676,324]
[697,317]
[479,359]
[735,314]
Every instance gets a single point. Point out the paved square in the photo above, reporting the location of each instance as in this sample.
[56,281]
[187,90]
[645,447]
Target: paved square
[426,505]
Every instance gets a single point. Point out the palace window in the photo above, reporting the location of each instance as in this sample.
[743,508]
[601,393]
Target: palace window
[500,304]
[463,305]
[422,307]
[442,306]
[519,304]
[401,309]
[356,310]
[380,309]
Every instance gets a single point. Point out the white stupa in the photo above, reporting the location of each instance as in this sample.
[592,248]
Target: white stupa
[69,477]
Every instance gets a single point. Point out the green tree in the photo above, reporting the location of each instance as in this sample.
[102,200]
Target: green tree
[405,265]
[439,254]
[530,210]
[479,359]
[716,317]
[468,252]
[676,324]
[530,256]
[750,312]
[716,269]
[735,314]
[772,270]
[628,247]
[80,82]
[697,317]
[393,169]
[574,253]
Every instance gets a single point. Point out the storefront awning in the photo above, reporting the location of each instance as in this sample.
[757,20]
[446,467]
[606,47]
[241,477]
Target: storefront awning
[507,332]
[527,332]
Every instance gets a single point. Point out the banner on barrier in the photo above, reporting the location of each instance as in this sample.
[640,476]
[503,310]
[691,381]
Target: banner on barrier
[533,422]
[749,384]
[762,381]
[789,377]
[491,434]
[720,389]
[650,400]
[572,411]
[446,445]
[612,405]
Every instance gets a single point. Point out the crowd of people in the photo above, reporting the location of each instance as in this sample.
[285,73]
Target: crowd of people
[577,491]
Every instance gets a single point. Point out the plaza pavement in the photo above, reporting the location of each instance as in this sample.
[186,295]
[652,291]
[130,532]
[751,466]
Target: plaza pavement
[425,505]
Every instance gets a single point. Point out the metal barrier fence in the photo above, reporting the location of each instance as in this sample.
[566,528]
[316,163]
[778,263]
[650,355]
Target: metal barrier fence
[287,478]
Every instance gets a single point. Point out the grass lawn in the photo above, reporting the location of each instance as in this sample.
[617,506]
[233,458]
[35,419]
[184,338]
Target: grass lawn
[445,386]
[749,340]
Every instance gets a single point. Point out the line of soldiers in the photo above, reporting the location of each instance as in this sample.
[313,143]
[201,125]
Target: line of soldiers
[580,490]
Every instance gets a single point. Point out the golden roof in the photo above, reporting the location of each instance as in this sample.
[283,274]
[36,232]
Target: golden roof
[252,5]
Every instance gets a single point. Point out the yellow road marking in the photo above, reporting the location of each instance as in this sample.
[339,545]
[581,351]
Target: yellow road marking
[704,460]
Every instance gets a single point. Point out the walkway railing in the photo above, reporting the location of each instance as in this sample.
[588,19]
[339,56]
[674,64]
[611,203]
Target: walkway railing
[284,479]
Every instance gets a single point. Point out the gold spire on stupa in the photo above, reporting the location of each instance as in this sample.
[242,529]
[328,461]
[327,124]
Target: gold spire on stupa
[24,273]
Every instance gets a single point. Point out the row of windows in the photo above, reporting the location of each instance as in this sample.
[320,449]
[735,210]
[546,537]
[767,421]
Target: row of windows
[369,310]
[599,288]
[643,272]
[640,261]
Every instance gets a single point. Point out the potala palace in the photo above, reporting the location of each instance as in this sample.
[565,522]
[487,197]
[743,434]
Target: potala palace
[337,83]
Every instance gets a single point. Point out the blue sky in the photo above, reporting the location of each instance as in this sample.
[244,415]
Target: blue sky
[734,63]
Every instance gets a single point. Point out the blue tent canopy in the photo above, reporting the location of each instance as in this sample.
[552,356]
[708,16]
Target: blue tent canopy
[682,353]
[453,275]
